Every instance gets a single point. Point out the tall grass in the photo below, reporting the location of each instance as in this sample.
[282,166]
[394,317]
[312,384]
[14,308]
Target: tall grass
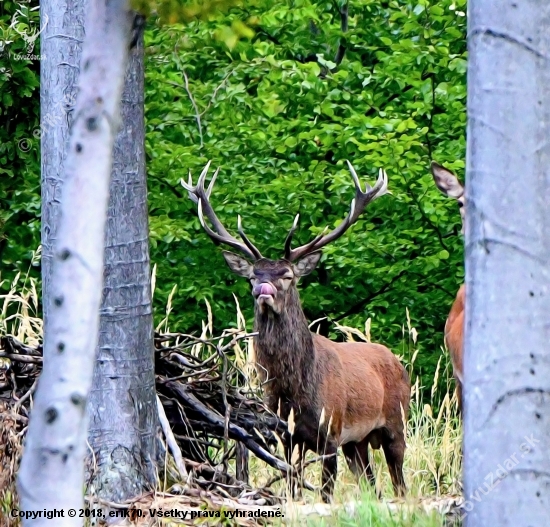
[433,457]
[19,316]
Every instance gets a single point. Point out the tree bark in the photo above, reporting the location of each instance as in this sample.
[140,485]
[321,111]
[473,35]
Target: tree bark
[52,468]
[507,338]
[61,45]
[123,407]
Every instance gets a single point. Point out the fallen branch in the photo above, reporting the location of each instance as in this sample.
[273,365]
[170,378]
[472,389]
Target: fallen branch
[171,440]
[12,345]
[198,397]
[235,432]
[21,358]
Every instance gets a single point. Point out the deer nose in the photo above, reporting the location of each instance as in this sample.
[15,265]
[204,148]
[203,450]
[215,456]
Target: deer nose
[263,289]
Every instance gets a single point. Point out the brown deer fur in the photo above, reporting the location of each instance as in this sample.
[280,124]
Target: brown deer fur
[449,185]
[454,337]
[363,388]
[339,394]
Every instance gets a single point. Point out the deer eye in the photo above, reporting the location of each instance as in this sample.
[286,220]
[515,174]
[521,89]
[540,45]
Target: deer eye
[460,204]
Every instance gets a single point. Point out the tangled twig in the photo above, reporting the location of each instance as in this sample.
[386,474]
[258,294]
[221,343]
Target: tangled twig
[206,407]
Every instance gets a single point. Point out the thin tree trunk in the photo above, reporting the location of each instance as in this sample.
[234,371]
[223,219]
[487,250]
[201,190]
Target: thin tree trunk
[507,340]
[52,468]
[123,407]
[61,45]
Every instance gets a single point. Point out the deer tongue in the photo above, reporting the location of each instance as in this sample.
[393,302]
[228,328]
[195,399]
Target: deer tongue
[264,289]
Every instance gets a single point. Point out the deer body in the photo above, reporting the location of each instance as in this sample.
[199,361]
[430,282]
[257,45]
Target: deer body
[361,389]
[352,395]
[331,375]
[449,185]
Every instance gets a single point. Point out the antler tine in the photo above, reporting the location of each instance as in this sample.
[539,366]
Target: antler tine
[212,181]
[198,194]
[362,199]
[247,242]
[382,181]
[202,177]
[190,188]
[195,191]
[295,254]
[355,177]
[289,236]
[381,185]
[228,240]
[357,207]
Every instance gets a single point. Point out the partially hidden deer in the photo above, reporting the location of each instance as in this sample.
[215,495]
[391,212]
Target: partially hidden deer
[449,185]
[335,394]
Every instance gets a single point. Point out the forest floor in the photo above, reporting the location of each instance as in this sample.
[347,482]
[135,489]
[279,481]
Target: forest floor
[433,459]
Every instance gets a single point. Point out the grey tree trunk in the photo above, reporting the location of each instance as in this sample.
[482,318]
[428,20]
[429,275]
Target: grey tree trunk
[507,339]
[123,407]
[52,468]
[61,44]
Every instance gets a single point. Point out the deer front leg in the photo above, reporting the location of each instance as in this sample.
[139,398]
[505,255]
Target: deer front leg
[330,469]
[294,455]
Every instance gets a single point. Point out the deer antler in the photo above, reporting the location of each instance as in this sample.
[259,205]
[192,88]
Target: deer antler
[201,196]
[28,38]
[358,205]
[14,22]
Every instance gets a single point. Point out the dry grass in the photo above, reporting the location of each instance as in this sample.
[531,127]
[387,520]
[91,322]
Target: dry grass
[19,315]
[432,460]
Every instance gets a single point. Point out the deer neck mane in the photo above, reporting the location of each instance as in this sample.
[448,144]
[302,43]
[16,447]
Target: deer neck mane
[285,351]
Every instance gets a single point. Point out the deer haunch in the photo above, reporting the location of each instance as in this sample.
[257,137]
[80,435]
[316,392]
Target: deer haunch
[454,338]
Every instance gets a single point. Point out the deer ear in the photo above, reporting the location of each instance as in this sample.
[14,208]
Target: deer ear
[238,264]
[446,181]
[304,266]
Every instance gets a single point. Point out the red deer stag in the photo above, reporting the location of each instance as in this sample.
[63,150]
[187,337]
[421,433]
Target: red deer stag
[350,394]
[449,185]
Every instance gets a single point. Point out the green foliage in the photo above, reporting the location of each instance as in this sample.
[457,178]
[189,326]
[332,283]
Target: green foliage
[172,11]
[19,153]
[280,116]
[175,11]
[270,101]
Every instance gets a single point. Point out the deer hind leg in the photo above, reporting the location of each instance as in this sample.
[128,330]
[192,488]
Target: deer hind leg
[459,395]
[358,460]
[394,451]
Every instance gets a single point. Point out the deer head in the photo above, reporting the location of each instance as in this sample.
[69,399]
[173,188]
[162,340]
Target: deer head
[449,185]
[274,281]
[29,39]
